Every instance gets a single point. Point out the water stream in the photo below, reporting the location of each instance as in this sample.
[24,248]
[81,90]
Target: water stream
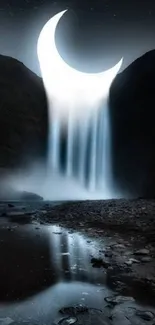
[86,154]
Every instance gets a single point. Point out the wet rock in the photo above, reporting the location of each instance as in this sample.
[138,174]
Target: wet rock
[142,251]
[99,262]
[117,299]
[120,286]
[67,321]
[118,246]
[146,315]
[10,205]
[131,261]
[146,259]
[9,229]
[105,264]
[74,310]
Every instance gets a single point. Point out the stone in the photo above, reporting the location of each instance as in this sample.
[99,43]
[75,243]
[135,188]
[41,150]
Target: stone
[74,310]
[131,261]
[67,321]
[10,205]
[98,262]
[117,299]
[142,251]
[146,259]
[118,246]
[146,315]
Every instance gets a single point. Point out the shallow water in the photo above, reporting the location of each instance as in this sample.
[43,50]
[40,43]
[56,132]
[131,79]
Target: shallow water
[46,268]
[43,269]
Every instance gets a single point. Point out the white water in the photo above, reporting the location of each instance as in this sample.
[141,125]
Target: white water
[87,151]
[82,170]
[86,171]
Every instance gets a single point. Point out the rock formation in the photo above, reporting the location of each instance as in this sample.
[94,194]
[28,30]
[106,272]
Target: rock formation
[23,116]
[132,106]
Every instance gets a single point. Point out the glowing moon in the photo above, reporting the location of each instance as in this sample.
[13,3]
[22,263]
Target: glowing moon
[64,84]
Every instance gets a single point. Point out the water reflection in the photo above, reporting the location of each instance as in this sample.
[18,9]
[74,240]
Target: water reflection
[43,269]
[24,263]
[33,259]
[70,256]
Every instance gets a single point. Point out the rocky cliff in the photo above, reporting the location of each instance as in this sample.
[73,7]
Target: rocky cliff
[132,115]
[23,115]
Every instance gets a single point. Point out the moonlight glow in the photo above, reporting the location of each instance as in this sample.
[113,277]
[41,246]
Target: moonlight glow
[64,85]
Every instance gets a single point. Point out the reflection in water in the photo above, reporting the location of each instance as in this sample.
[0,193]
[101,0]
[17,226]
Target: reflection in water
[24,263]
[71,256]
[33,259]
[43,270]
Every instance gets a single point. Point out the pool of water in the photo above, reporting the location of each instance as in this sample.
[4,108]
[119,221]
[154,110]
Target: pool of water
[46,268]
[43,269]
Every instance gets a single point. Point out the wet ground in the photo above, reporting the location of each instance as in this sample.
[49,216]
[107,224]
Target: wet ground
[54,271]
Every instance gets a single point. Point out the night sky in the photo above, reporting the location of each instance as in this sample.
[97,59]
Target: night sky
[92,36]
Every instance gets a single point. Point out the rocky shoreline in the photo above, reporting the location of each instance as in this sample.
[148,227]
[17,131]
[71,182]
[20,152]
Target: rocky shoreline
[130,216]
[124,230]
[128,257]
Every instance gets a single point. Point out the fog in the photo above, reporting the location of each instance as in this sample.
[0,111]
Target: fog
[79,148]
[54,187]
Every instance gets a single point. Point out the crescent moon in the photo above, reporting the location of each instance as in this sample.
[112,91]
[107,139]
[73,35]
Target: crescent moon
[62,80]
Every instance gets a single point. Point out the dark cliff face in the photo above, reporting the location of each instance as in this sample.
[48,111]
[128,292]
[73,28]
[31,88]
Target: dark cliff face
[132,115]
[23,115]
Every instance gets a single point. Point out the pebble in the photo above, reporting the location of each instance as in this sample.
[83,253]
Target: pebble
[116,299]
[128,262]
[146,315]
[74,310]
[142,251]
[119,246]
[131,261]
[146,259]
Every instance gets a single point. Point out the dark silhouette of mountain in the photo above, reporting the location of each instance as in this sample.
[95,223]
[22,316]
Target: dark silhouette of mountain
[132,111]
[23,115]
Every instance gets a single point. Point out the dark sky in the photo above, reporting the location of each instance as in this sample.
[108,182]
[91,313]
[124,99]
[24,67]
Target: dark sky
[92,36]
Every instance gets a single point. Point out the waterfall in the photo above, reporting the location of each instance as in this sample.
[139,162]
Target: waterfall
[87,149]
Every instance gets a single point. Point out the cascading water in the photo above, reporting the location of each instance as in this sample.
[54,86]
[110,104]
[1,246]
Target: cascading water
[79,160]
[79,139]
[87,149]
